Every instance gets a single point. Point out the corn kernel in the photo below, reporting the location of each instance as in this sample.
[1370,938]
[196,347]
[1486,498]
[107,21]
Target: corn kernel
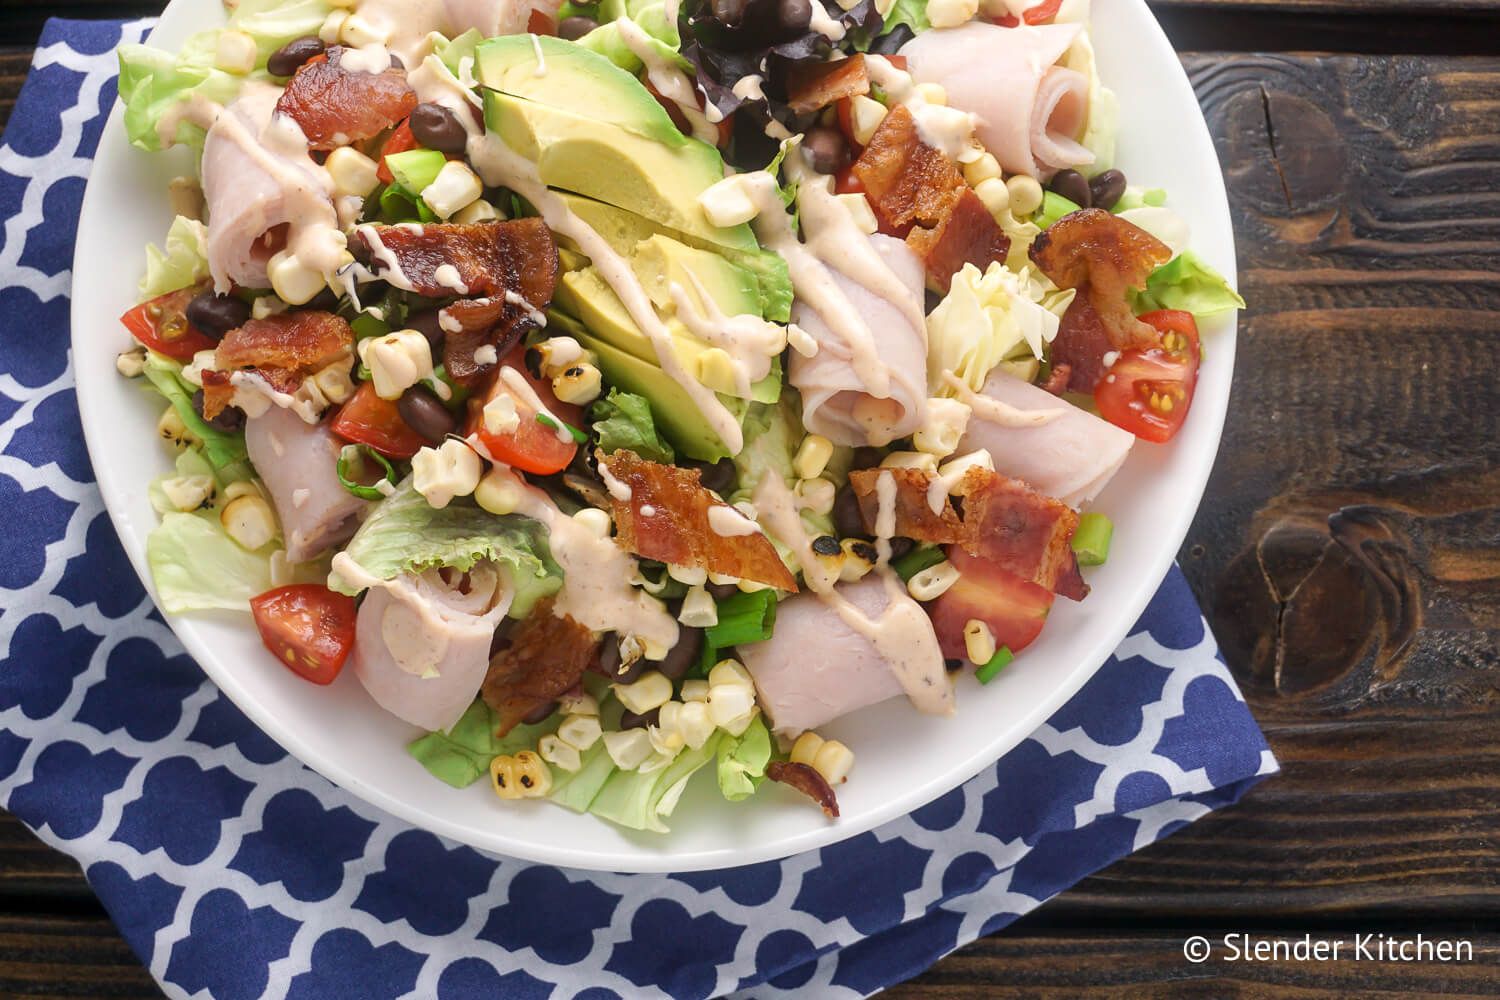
[580,731]
[805,750]
[652,690]
[132,364]
[579,385]
[522,776]
[235,52]
[353,172]
[554,751]
[955,468]
[815,495]
[951,13]
[479,211]
[932,93]
[578,703]
[834,762]
[456,188]
[940,433]
[249,522]
[750,586]
[995,196]
[979,642]
[596,521]
[729,702]
[292,282]
[1025,194]
[629,749]
[910,460]
[693,576]
[738,726]
[932,582]
[333,26]
[397,361]
[729,202]
[172,430]
[730,671]
[358,32]
[500,492]
[450,470]
[865,116]
[188,493]
[812,456]
[984,167]
[860,211]
[698,609]
[695,690]
[859,558]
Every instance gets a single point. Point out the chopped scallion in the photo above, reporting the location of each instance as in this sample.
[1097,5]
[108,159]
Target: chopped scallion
[917,560]
[743,618]
[997,663]
[559,425]
[356,455]
[1091,540]
[1054,207]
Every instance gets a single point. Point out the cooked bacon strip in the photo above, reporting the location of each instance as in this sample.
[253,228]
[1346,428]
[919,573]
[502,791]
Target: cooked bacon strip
[1104,256]
[805,779]
[917,192]
[1003,521]
[335,106]
[546,656]
[282,349]
[814,85]
[678,529]
[490,258]
[1080,346]
[470,324]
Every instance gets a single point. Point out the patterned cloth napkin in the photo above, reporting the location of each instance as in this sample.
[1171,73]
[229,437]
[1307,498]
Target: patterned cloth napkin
[232,869]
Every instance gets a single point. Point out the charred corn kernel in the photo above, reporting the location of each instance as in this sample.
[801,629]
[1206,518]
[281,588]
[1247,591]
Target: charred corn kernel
[717,370]
[730,672]
[860,211]
[860,557]
[801,341]
[579,385]
[910,460]
[699,609]
[954,469]
[729,702]
[334,383]
[578,703]
[500,491]
[236,52]
[397,361]
[629,749]
[595,520]
[812,456]
[450,470]
[558,354]
[1025,194]
[521,776]
[456,188]
[693,576]
[932,582]
[933,93]
[554,751]
[132,364]
[865,116]
[174,431]
[580,731]
[353,172]
[695,690]
[995,195]
[979,641]
[805,750]
[185,197]
[983,168]
[652,690]
[816,495]
[188,493]
[834,762]
[333,26]
[294,282]
[249,522]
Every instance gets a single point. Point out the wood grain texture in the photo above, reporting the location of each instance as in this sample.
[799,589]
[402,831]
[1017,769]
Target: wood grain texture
[53,957]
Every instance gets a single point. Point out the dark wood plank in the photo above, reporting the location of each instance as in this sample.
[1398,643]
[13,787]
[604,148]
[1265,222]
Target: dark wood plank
[56,957]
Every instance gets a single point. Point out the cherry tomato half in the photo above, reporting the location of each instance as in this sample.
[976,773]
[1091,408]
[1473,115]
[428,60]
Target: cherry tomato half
[532,446]
[1014,609]
[1148,392]
[401,140]
[162,325]
[368,419]
[308,627]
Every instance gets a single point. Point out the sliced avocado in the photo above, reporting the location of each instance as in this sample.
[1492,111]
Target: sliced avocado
[572,78]
[416,169]
[609,164]
[676,414]
[660,262]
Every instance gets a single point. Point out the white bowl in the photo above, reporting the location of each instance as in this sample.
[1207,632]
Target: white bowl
[904,759]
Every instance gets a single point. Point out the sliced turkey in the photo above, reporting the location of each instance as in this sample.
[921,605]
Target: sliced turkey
[297,462]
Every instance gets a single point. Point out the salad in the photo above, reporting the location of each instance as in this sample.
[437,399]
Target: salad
[627,390]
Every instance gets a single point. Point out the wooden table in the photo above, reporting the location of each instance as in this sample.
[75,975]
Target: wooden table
[1347,552]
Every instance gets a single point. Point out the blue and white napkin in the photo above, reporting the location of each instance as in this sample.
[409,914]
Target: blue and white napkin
[232,869]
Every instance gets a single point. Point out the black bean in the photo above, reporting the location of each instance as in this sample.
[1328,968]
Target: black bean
[435,127]
[215,315]
[429,325]
[397,62]
[826,149]
[631,720]
[890,43]
[953,664]
[866,458]
[1072,186]
[717,476]
[609,655]
[847,520]
[575,27]
[325,301]
[541,714]
[229,419]
[628,675]
[722,591]
[1107,189]
[900,546]
[731,12]
[793,16]
[681,657]
[290,57]
[426,414]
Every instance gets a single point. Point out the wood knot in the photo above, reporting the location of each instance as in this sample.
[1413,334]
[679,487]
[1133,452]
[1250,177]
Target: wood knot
[1290,160]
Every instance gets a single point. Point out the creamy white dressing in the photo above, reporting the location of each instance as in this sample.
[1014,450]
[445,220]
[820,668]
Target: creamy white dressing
[522,390]
[447,275]
[390,265]
[486,355]
[748,88]
[750,341]
[823,24]
[727,522]
[995,411]
[254,395]
[541,59]
[617,488]
[647,510]
[939,126]
[668,80]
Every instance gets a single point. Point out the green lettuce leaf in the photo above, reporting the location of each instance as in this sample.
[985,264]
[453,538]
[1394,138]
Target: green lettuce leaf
[912,13]
[182,262]
[225,452]
[622,420]
[403,534]
[462,755]
[463,48]
[743,760]
[1187,282]
[642,801]
[773,432]
[197,567]
[651,15]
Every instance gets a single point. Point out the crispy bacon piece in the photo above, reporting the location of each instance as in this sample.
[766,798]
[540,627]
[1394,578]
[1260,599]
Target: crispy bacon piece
[546,656]
[805,779]
[282,349]
[491,258]
[1058,378]
[1103,256]
[1003,521]
[335,106]
[473,323]
[678,529]
[1081,344]
[811,86]
[917,192]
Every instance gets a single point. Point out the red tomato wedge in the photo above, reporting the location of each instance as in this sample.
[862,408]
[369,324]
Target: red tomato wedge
[846,181]
[162,325]
[539,23]
[368,419]
[1013,608]
[1039,14]
[400,141]
[532,446]
[1148,392]
[308,627]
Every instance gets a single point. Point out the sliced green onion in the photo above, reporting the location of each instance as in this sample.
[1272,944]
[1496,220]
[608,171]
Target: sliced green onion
[365,326]
[708,655]
[917,560]
[1091,540]
[559,425]
[1155,197]
[359,453]
[1054,207]
[997,663]
[743,618]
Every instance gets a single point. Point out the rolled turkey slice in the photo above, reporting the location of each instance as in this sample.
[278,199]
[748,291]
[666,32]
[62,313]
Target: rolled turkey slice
[815,667]
[1029,111]
[422,643]
[1070,456]
[264,193]
[835,402]
[297,462]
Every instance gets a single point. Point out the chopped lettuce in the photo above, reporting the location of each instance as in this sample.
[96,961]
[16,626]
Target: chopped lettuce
[197,567]
[912,13]
[988,318]
[622,420]
[224,451]
[651,16]
[1186,282]
[460,54]
[462,755]
[642,800]
[743,760]
[182,262]
[404,534]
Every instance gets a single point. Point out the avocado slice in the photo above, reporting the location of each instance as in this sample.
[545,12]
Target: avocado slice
[605,162]
[571,78]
